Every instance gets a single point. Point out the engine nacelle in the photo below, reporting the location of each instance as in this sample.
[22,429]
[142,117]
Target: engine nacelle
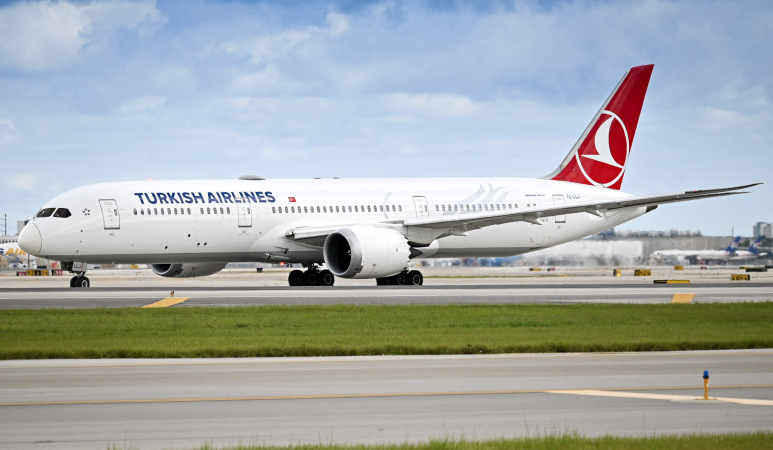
[187,270]
[366,252]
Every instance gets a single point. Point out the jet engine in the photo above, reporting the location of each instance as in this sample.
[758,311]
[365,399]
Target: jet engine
[187,270]
[366,252]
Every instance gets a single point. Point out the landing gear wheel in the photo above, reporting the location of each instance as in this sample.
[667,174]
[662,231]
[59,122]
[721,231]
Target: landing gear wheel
[326,278]
[399,279]
[415,278]
[296,278]
[311,278]
[79,282]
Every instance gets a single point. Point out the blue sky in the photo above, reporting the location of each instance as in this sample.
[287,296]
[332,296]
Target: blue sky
[94,91]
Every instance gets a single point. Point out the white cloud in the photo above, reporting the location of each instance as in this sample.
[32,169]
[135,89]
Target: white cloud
[21,181]
[266,79]
[432,105]
[337,23]
[36,36]
[8,133]
[142,104]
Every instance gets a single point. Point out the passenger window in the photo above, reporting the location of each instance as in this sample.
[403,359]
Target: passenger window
[142,212]
[228,210]
[189,211]
[381,208]
[400,208]
[135,211]
[368,208]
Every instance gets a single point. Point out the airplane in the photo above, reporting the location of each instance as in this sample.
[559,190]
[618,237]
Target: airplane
[752,252]
[693,256]
[754,248]
[356,228]
[730,253]
[13,253]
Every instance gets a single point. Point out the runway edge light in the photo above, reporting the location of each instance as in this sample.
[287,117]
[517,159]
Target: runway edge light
[705,384]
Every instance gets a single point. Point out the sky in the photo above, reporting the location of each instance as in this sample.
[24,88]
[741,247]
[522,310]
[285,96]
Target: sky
[96,91]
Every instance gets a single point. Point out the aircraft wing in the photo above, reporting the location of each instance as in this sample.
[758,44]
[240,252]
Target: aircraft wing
[470,221]
[596,207]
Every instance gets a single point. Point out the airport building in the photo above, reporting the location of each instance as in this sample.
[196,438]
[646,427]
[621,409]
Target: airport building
[764,229]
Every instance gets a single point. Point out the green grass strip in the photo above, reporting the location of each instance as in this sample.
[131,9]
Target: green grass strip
[380,330]
[731,441]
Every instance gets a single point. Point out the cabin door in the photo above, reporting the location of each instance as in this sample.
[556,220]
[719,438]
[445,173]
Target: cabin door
[245,214]
[421,206]
[558,200]
[110,214]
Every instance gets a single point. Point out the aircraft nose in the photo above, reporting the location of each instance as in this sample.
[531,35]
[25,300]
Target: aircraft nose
[30,240]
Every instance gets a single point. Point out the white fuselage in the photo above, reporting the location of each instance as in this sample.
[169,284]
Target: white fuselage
[248,220]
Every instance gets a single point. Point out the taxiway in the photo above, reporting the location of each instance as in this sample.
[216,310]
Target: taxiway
[458,285]
[187,403]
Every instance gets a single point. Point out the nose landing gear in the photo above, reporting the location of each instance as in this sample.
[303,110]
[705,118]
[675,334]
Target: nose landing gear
[80,281]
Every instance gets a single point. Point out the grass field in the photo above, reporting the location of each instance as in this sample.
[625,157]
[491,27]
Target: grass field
[733,441]
[378,330]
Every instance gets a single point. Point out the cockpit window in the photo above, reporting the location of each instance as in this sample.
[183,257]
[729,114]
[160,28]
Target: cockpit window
[62,212]
[45,212]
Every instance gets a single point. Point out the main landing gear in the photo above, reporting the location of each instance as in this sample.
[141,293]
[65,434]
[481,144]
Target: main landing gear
[80,281]
[311,277]
[406,277]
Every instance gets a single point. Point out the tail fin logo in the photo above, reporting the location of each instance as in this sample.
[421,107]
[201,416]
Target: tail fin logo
[600,157]
[612,145]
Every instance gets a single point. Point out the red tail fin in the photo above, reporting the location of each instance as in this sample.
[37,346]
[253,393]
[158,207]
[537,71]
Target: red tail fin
[600,156]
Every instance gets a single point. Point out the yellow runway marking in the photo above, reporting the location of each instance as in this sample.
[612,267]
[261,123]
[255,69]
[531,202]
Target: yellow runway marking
[166,302]
[270,397]
[677,398]
[682,298]
[589,392]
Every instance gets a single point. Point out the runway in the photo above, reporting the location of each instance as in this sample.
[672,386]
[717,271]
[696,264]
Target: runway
[136,289]
[186,403]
